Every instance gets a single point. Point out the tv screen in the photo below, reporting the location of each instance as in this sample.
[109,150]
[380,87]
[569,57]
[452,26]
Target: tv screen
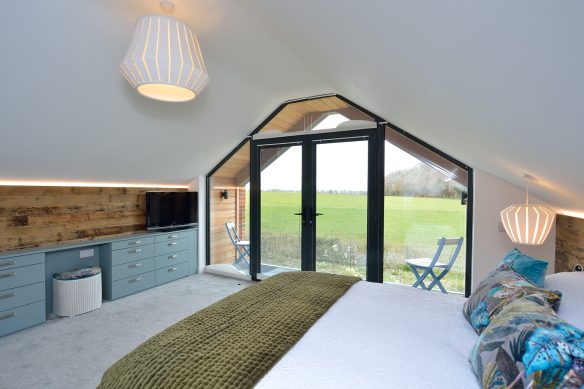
[171,209]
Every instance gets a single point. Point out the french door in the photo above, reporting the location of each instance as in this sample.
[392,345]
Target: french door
[315,203]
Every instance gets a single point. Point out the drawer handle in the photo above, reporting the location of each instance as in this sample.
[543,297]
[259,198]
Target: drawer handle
[173,237]
[135,279]
[8,263]
[7,275]
[7,295]
[135,265]
[172,269]
[135,243]
[172,256]
[7,315]
[173,243]
[135,251]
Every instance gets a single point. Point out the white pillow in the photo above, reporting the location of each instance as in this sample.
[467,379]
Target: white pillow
[571,284]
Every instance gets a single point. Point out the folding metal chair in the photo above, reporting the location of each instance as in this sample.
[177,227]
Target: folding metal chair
[426,265]
[241,246]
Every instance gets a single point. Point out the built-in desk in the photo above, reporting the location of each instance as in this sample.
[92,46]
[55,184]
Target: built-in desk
[130,263]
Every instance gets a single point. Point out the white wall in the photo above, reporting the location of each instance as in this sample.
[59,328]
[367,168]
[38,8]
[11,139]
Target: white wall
[202,188]
[491,195]
[198,185]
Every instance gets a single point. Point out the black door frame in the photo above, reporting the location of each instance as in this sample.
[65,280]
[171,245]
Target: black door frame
[255,198]
[375,198]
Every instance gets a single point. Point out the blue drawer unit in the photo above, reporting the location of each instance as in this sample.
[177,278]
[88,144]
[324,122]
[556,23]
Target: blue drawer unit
[134,284]
[22,292]
[129,264]
[132,269]
[192,237]
[132,254]
[22,317]
[130,243]
[132,265]
[171,259]
[171,246]
[20,276]
[127,267]
[24,295]
[171,273]
[170,236]
[23,260]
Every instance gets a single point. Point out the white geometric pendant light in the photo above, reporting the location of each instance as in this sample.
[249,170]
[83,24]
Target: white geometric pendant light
[526,223]
[164,61]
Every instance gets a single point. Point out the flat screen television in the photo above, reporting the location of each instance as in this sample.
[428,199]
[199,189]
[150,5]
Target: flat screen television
[169,210]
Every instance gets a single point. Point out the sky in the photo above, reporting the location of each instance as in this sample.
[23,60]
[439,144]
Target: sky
[339,166]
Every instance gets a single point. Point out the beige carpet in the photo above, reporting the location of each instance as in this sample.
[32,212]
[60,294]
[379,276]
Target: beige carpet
[74,352]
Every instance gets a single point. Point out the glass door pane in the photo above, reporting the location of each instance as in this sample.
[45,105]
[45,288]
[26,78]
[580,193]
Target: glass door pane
[341,207]
[280,208]
[425,200]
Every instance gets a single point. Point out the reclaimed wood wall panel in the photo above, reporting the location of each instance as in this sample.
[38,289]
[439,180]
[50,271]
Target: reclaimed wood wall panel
[222,211]
[569,243]
[32,216]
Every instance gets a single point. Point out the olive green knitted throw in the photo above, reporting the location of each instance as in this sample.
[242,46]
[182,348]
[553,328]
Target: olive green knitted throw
[234,342]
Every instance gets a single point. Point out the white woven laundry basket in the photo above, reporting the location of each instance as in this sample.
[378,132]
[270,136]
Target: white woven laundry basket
[74,297]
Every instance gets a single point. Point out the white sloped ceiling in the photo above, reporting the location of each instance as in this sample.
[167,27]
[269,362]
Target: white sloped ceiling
[497,84]
[66,112]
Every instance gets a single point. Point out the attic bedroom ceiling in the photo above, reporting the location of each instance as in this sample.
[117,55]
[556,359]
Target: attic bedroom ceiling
[68,114]
[497,84]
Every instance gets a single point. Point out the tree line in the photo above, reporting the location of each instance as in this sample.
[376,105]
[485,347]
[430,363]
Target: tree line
[421,181]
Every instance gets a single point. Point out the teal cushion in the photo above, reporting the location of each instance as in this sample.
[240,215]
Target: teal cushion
[528,346]
[530,268]
[500,288]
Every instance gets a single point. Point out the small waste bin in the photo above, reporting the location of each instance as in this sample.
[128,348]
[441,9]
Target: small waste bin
[76,292]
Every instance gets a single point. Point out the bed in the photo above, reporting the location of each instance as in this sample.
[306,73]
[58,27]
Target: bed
[382,336]
[370,335]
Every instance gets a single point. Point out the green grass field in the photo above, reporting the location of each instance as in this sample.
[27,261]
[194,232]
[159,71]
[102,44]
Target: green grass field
[412,225]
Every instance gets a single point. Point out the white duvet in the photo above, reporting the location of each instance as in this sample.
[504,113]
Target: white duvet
[382,336]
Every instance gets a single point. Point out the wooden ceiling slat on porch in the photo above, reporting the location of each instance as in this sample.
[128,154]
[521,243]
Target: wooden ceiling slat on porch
[293,117]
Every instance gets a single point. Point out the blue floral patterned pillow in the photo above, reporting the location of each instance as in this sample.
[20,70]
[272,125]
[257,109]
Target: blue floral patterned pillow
[499,288]
[528,346]
[529,267]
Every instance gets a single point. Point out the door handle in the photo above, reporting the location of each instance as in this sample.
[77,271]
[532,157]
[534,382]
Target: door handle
[312,217]
[303,214]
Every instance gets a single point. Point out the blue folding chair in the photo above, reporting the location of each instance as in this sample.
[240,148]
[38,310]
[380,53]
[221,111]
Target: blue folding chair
[424,267]
[241,246]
